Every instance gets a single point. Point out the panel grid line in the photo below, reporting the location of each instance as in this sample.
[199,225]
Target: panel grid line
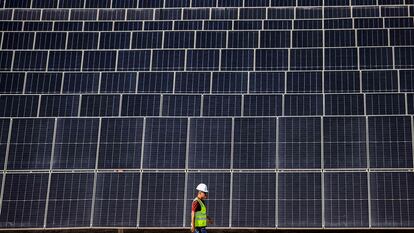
[4,173]
[50,173]
[95,178]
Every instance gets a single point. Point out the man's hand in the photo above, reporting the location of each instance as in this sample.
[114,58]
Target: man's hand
[210,221]
[192,228]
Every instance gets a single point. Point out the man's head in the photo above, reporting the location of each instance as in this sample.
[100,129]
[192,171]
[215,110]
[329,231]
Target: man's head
[202,191]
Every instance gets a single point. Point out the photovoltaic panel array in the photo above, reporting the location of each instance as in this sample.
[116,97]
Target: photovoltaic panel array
[295,113]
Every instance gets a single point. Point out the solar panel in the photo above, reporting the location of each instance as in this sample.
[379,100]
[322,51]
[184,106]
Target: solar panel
[295,113]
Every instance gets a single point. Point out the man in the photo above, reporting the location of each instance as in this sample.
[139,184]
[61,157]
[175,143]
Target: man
[199,216]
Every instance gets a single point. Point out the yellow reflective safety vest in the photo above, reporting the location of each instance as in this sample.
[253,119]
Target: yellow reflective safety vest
[201,216]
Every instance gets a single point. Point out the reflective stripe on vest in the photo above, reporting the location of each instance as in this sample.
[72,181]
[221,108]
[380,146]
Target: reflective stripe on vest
[201,216]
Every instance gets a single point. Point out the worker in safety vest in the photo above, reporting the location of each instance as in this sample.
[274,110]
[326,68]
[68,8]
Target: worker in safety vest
[199,216]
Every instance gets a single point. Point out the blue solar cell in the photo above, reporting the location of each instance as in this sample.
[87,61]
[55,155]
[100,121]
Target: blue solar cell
[254,143]
[17,4]
[168,14]
[164,145]
[99,60]
[243,39]
[76,143]
[18,40]
[140,14]
[237,59]
[124,4]
[230,3]
[19,106]
[281,13]
[306,59]
[24,200]
[70,200]
[31,144]
[201,60]
[173,189]
[168,59]
[155,82]
[151,3]
[341,59]
[267,82]
[140,105]
[380,81]
[298,192]
[120,143]
[407,80]
[183,39]
[71,3]
[302,105]
[124,82]
[97,26]
[391,199]
[80,82]
[377,104]
[50,40]
[83,14]
[337,12]
[274,39]
[68,26]
[203,3]
[404,58]
[65,60]
[339,38]
[251,208]
[114,40]
[111,14]
[342,104]
[181,105]
[133,60]
[30,60]
[11,82]
[196,13]
[344,142]
[299,143]
[346,199]
[307,38]
[97,4]
[229,82]
[222,105]
[252,13]
[59,105]
[390,142]
[210,143]
[372,37]
[304,82]
[262,105]
[82,40]
[342,81]
[224,13]
[55,14]
[4,135]
[376,58]
[210,39]
[192,82]
[146,40]
[128,26]
[272,59]
[116,200]
[100,105]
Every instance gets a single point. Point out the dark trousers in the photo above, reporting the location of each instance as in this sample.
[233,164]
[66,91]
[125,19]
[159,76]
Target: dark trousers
[200,230]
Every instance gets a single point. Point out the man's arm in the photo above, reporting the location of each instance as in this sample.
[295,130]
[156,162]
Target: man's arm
[192,221]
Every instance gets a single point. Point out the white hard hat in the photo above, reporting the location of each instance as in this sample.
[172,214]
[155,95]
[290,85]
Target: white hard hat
[202,187]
